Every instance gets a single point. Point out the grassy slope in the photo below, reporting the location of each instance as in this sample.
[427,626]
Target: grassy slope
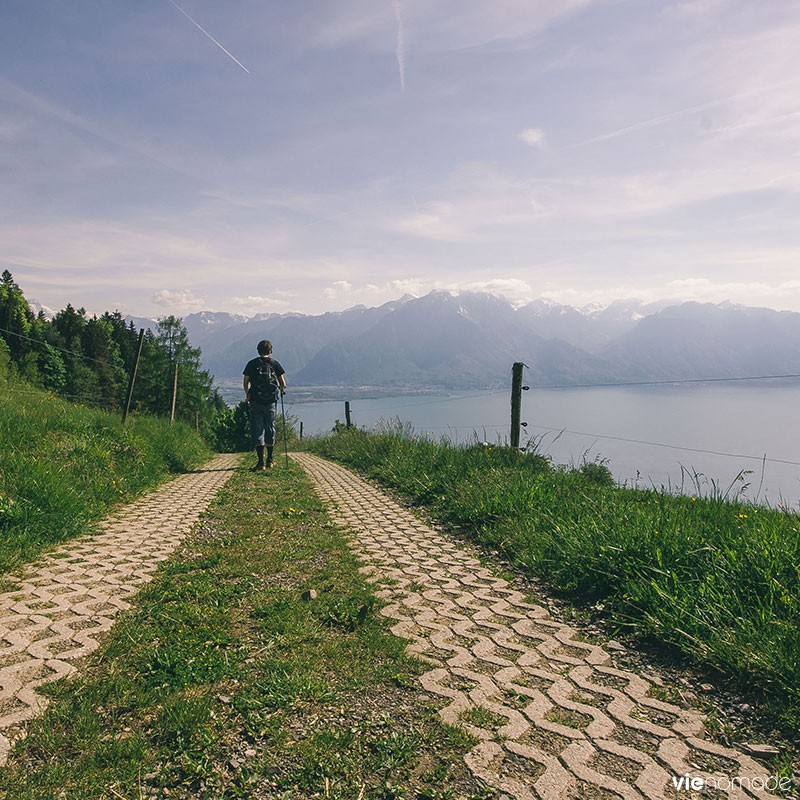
[224,682]
[63,466]
[717,579]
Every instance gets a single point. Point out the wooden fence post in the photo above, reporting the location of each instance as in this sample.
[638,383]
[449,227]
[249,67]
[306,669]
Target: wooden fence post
[174,395]
[301,430]
[347,413]
[516,402]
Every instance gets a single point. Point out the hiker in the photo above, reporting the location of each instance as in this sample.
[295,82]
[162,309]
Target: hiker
[263,383]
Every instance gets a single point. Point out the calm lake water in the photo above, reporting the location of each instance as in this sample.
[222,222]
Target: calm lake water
[669,423]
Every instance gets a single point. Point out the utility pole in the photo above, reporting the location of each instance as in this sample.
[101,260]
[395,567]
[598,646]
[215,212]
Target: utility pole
[347,413]
[133,377]
[516,402]
[174,395]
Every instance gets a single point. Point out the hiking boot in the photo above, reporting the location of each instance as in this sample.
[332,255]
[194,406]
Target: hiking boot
[258,468]
[270,464]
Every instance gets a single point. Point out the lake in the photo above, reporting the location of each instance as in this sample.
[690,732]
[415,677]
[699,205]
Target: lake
[735,425]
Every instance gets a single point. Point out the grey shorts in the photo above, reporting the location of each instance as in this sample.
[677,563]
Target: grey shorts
[262,423]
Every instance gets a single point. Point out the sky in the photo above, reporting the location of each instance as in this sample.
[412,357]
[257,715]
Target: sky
[171,156]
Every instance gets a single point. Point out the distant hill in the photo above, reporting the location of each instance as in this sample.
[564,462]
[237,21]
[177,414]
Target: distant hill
[700,340]
[470,339]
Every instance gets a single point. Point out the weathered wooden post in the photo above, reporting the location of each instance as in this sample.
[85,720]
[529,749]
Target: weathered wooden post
[301,430]
[347,413]
[174,395]
[133,377]
[516,402]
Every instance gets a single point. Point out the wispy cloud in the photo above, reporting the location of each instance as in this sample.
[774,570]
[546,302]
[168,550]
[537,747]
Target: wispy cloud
[337,289]
[661,119]
[35,104]
[513,289]
[206,33]
[400,46]
[784,295]
[180,300]
[533,137]
[443,25]
[255,304]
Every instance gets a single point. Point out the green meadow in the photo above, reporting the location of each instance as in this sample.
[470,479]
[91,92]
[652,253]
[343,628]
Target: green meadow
[64,466]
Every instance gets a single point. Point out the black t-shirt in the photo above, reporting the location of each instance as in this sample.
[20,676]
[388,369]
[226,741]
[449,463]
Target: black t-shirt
[251,367]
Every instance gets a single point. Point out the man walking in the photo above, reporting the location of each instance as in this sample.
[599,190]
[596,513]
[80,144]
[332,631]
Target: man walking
[263,383]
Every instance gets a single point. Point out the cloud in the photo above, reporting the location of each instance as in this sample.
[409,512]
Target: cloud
[182,300]
[476,202]
[533,137]
[261,303]
[337,289]
[442,25]
[783,295]
[400,287]
[511,288]
[400,47]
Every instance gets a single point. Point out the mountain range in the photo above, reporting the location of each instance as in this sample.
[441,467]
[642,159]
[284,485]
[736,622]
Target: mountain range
[470,339]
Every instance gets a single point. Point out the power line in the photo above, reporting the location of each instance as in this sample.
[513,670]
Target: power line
[43,392]
[56,347]
[677,381]
[663,383]
[670,446]
[451,399]
[71,352]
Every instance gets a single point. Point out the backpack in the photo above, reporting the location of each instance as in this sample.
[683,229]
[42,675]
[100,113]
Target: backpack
[264,385]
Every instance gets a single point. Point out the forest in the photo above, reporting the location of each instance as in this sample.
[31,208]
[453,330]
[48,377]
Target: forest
[89,360]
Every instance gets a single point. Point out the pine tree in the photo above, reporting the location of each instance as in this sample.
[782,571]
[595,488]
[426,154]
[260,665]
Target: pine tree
[15,318]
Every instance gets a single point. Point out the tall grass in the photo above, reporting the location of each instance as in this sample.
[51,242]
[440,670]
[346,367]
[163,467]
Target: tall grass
[63,466]
[718,579]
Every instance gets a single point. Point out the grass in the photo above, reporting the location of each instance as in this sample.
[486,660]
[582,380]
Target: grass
[715,578]
[231,679]
[63,466]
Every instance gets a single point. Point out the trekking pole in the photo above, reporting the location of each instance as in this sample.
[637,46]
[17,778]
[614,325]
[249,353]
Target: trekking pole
[285,445]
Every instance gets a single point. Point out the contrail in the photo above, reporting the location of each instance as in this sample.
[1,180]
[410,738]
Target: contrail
[400,49]
[655,121]
[201,28]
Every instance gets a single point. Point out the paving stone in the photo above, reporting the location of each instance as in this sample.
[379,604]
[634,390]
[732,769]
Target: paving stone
[487,645]
[66,601]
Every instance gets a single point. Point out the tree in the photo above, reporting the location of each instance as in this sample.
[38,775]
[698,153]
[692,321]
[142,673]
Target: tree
[5,361]
[125,337]
[15,317]
[194,383]
[52,372]
[69,324]
[101,355]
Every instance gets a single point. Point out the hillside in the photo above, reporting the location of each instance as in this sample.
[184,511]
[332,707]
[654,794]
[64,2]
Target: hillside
[63,466]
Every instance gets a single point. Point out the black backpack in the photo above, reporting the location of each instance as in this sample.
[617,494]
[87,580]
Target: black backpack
[264,384]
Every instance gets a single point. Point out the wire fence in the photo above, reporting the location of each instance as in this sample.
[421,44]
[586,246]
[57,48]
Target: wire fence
[402,408]
[89,400]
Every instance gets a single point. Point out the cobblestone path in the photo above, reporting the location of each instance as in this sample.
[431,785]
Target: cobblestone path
[553,717]
[68,598]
